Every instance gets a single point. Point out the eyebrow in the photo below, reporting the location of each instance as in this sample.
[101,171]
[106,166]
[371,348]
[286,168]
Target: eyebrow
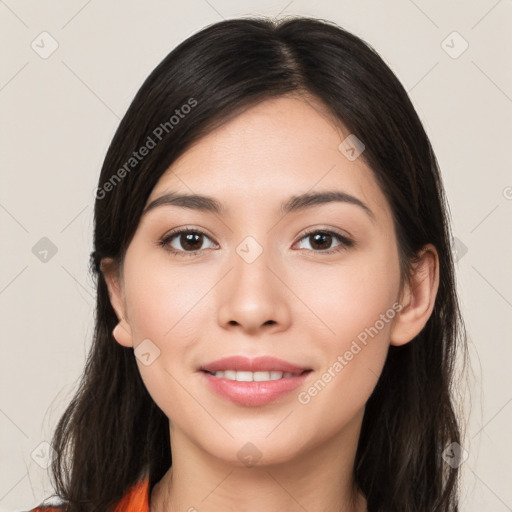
[293,204]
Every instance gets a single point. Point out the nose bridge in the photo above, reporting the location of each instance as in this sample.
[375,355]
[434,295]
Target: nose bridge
[252,296]
[252,279]
[251,265]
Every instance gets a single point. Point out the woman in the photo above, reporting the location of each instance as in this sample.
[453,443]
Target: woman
[276,304]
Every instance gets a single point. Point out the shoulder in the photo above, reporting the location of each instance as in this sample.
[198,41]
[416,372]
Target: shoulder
[136,499]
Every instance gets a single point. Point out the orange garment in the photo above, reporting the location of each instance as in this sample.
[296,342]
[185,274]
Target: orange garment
[136,499]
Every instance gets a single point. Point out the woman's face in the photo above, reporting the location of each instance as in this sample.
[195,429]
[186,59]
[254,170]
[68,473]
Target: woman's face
[312,283]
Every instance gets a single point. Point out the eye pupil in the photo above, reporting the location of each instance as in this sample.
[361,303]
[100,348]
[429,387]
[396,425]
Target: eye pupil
[320,238]
[189,237]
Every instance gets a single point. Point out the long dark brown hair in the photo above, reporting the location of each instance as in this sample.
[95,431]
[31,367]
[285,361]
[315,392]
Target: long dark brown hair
[112,434]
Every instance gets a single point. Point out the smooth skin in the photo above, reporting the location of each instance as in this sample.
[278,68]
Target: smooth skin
[294,302]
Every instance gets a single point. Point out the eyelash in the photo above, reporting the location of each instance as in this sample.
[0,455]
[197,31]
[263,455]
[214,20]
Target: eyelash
[344,245]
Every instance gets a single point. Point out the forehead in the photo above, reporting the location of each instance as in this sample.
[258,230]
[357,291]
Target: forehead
[281,147]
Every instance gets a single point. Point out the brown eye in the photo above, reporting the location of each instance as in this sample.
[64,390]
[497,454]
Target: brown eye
[186,242]
[321,241]
[190,241]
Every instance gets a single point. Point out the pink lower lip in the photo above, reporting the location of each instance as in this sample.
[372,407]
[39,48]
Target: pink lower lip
[254,393]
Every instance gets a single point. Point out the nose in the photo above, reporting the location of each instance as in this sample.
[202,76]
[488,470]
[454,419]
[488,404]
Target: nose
[254,296]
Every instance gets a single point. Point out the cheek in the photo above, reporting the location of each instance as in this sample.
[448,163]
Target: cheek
[165,306]
[350,297]
[163,302]
[357,307]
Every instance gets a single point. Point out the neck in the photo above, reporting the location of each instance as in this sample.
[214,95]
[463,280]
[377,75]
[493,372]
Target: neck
[319,479]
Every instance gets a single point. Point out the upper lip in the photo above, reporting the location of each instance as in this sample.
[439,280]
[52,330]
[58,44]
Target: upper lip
[257,364]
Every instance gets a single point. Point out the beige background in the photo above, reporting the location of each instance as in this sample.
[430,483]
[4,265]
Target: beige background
[58,116]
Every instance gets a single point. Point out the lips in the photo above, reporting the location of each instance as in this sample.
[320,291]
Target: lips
[258,364]
[245,389]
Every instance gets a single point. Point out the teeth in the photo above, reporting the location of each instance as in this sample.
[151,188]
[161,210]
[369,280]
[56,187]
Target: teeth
[243,376]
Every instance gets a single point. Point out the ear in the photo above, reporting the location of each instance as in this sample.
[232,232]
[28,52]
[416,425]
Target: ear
[122,331]
[418,297]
